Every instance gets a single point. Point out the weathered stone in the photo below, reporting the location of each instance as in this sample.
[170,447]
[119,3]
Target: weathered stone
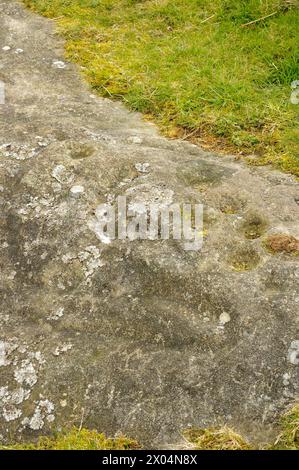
[141,337]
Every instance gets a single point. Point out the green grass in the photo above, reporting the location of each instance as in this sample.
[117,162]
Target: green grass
[289,437]
[77,439]
[216,82]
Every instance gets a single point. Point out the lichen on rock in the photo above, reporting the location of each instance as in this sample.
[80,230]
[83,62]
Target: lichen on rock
[137,336]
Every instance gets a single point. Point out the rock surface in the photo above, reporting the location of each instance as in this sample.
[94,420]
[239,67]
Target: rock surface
[139,337]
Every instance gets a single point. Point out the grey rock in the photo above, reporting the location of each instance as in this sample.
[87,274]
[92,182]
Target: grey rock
[132,335]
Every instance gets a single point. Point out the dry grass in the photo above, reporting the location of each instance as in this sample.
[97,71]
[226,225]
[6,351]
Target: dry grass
[216,439]
[282,243]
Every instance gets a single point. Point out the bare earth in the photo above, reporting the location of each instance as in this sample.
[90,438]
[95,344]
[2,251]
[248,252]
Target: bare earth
[142,337]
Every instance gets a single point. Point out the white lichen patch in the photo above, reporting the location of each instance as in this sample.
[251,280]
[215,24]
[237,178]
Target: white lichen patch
[24,363]
[4,361]
[148,193]
[61,175]
[4,318]
[286,379]
[9,401]
[26,374]
[59,64]
[100,137]
[57,314]
[47,406]
[11,275]
[90,259]
[77,191]
[11,413]
[38,207]
[91,256]
[62,349]
[22,349]
[224,318]
[134,139]
[56,187]
[293,353]
[6,349]
[37,356]
[43,411]
[18,152]
[142,167]
[36,422]
[43,142]
[18,396]
[3,392]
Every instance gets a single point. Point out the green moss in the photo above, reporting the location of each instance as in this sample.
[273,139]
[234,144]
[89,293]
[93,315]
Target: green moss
[79,151]
[223,85]
[253,227]
[76,439]
[244,259]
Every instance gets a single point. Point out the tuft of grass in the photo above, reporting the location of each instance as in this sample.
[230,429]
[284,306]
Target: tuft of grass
[77,439]
[225,438]
[216,439]
[194,68]
[288,439]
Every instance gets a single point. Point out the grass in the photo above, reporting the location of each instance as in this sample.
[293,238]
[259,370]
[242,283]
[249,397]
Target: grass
[197,439]
[77,439]
[227,439]
[289,437]
[216,439]
[193,68]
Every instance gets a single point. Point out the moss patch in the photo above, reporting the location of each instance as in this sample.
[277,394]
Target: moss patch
[253,227]
[244,259]
[282,243]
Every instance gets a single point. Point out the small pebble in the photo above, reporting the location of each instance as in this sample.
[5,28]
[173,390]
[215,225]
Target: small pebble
[293,353]
[77,190]
[6,48]
[59,64]
[224,318]
[135,140]
[142,167]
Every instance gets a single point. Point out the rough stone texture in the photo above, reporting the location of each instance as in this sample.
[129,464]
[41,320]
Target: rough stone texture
[140,337]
